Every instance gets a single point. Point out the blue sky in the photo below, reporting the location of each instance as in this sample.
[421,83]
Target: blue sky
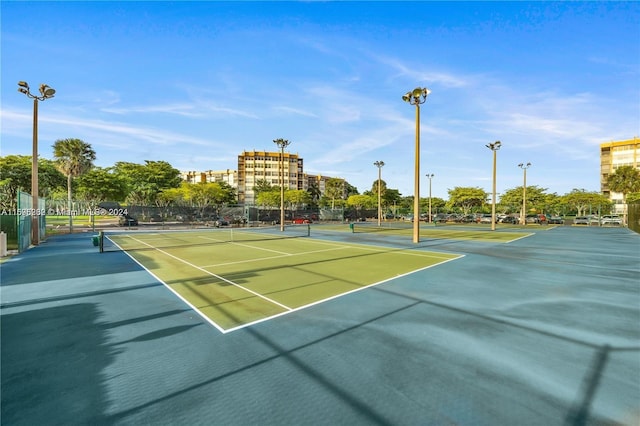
[197,83]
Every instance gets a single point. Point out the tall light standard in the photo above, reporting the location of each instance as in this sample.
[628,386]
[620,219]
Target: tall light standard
[379,165]
[416,97]
[282,143]
[430,176]
[46,92]
[494,147]
[524,167]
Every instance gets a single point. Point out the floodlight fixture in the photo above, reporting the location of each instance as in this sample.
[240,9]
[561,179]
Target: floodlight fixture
[416,97]
[46,92]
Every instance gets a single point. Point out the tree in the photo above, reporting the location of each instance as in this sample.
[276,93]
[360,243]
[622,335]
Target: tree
[146,181]
[15,174]
[314,192]
[511,200]
[170,196]
[297,197]
[466,198]
[625,180]
[633,197]
[383,187]
[437,204]
[335,190]
[391,199]
[73,157]
[269,198]
[359,202]
[583,201]
[102,184]
[262,185]
[349,189]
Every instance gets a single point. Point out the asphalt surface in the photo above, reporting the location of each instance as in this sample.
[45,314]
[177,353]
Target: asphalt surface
[541,331]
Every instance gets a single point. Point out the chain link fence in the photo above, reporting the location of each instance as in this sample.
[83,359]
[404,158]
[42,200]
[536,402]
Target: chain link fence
[85,216]
[634,217]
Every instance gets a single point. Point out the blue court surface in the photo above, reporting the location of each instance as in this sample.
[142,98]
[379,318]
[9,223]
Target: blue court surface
[544,330]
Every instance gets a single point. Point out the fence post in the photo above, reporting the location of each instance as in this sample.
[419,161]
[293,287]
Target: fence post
[3,244]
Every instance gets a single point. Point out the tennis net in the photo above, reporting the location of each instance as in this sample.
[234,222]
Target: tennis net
[128,240]
[362,227]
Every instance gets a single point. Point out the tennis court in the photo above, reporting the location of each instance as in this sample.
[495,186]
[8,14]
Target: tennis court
[235,277]
[541,330]
[442,232]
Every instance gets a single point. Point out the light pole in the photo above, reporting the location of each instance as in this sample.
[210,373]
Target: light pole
[379,165]
[46,92]
[430,176]
[524,167]
[282,143]
[416,97]
[494,147]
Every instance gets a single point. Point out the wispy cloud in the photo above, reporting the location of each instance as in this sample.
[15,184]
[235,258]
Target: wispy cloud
[186,110]
[412,72]
[195,110]
[125,133]
[293,111]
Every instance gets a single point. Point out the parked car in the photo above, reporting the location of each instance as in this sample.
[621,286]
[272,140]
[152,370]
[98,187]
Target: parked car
[221,222]
[556,220]
[127,220]
[300,220]
[485,218]
[581,220]
[155,218]
[509,219]
[594,219]
[535,218]
[469,218]
[611,220]
[439,218]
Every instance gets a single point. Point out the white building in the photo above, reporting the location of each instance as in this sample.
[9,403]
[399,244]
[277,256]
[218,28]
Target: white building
[613,155]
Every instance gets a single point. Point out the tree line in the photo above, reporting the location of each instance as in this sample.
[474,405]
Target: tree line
[72,176]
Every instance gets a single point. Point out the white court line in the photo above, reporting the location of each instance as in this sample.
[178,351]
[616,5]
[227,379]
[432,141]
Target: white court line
[299,308]
[243,245]
[519,238]
[408,252]
[337,246]
[273,257]
[214,275]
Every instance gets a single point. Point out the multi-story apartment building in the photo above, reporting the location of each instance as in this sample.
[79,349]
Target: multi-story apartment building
[612,156]
[258,165]
[228,176]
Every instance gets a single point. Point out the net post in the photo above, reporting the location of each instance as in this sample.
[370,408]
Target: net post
[101,241]
[308,229]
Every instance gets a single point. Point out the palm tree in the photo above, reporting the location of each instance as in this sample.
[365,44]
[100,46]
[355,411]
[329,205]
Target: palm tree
[625,180]
[73,157]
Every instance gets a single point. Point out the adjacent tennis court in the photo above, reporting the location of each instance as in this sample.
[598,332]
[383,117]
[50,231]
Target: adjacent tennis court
[236,277]
[442,232]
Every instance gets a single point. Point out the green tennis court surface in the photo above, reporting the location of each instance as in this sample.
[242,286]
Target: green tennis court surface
[450,232]
[236,277]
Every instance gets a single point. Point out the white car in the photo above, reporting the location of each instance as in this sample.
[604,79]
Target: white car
[581,220]
[611,220]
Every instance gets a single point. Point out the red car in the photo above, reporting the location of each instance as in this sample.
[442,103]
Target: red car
[300,220]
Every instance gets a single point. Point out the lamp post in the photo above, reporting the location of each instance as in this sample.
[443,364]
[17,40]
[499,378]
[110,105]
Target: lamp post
[494,147]
[46,92]
[430,176]
[524,167]
[416,97]
[282,143]
[379,165]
